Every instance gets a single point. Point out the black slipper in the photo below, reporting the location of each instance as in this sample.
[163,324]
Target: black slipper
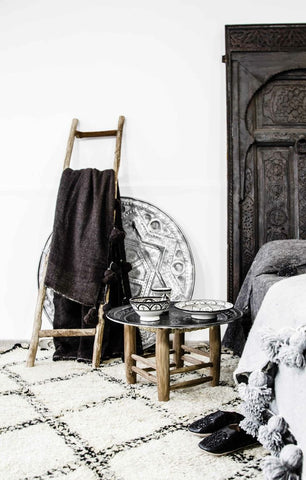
[227,440]
[214,421]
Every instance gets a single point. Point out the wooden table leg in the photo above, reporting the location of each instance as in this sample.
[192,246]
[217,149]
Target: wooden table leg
[129,349]
[215,353]
[162,364]
[178,341]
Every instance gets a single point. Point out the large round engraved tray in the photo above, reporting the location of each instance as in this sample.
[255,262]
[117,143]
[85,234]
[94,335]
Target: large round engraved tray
[158,251]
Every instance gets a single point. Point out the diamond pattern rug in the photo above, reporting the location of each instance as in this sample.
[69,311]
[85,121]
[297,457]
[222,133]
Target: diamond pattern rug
[67,421]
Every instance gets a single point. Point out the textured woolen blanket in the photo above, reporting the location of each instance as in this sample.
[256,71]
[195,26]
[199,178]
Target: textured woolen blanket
[83,222]
[283,312]
[274,261]
[87,252]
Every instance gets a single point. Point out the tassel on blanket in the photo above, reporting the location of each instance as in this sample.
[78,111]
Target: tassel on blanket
[286,467]
[292,354]
[271,435]
[126,267]
[250,425]
[116,235]
[257,396]
[91,318]
[271,342]
[111,274]
[253,411]
[110,277]
[256,392]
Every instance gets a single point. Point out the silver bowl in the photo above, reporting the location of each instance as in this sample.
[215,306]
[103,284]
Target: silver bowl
[150,308]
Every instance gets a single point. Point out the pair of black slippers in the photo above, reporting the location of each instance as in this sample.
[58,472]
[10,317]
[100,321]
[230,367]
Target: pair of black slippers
[222,433]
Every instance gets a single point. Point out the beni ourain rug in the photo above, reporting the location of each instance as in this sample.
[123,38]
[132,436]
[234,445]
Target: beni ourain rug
[67,421]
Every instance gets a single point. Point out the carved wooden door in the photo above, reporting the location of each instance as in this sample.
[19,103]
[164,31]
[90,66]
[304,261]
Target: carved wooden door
[266,93]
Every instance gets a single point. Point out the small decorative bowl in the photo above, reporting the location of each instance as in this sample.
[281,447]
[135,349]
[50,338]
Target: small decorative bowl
[150,308]
[203,309]
[165,292]
[162,291]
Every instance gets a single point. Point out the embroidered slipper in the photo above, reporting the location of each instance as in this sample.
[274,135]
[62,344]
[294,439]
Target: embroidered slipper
[214,421]
[227,440]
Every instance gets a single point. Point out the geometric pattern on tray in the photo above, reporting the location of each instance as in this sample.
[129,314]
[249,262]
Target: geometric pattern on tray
[67,421]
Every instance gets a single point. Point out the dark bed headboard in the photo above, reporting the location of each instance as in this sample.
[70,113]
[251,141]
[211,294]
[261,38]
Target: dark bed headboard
[266,118]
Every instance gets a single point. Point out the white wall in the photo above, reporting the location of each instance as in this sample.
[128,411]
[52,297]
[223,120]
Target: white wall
[156,62]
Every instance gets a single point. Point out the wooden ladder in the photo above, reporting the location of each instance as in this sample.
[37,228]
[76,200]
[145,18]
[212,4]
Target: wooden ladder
[97,332]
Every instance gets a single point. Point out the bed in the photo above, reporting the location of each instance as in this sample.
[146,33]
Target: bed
[271,337]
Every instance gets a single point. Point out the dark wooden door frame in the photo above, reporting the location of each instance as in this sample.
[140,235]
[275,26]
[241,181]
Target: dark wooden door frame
[254,44]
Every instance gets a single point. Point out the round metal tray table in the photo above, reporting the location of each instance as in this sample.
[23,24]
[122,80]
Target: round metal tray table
[176,322]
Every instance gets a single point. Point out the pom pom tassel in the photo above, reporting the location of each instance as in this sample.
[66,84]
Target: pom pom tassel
[110,277]
[126,267]
[256,393]
[91,318]
[286,467]
[257,396]
[271,342]
[292,354]
[250,426]
[116,235]
[271,435]
[253,411]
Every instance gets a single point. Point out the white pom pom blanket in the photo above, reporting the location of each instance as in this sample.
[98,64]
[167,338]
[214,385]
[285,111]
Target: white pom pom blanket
[278,334]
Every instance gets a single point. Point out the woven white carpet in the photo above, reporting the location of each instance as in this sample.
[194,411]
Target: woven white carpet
[65,420]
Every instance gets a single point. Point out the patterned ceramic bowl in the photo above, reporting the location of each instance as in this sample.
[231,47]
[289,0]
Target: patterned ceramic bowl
[162,291]
[150,308]
[203,309]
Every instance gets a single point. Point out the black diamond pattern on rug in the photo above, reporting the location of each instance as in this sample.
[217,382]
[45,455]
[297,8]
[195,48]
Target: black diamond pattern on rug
[68,421]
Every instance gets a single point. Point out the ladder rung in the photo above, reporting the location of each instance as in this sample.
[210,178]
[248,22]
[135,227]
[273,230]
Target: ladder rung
[68,332]
[105,133]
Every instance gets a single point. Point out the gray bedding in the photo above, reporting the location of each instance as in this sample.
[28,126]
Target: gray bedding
[274,261]
[260,286]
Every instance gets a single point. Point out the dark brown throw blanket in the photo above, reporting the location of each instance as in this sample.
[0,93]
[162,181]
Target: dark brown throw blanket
[82,226]
[87,253]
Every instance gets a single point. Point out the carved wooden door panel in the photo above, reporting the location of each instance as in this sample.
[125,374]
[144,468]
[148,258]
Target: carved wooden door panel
[275,169]
[266,93]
